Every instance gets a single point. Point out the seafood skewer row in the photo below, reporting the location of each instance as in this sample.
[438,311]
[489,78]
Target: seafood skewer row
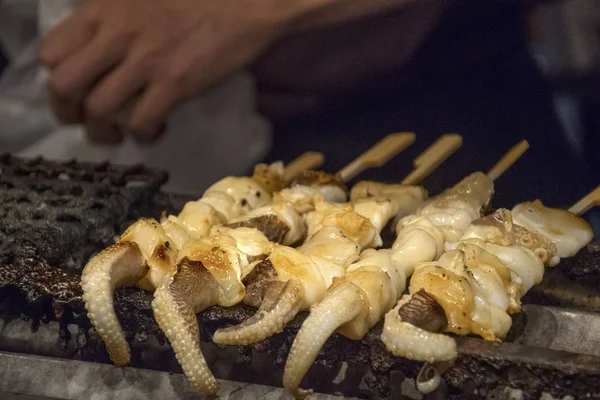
[376,201]
[147,250]
[374,287]
[371,287]
[474,287]
[209,273]
[340,233]
[291,280]
[224,201]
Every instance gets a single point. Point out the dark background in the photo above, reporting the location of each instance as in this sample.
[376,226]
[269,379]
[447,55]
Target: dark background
[478,74]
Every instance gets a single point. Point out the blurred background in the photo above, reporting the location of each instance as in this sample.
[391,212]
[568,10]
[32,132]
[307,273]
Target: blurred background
[495,73]
[565,41]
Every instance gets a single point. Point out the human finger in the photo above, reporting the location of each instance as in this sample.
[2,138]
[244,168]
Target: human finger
[68,36]
[66,111]
[147,120]
[74,77]
[116,90]
[103,132]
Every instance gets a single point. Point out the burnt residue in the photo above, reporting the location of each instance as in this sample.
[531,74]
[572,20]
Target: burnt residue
[483,366]
[70,209]
[50,289]
[585,266]
[272,227]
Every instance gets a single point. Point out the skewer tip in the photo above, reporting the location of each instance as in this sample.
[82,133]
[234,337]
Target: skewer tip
[589,201]
[433,157]
[379,154]
[508,159]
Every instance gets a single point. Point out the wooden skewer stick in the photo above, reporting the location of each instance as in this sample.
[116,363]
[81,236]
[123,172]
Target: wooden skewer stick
[307,161]
[508,160]
[378,155]
[590,200]
[433,157]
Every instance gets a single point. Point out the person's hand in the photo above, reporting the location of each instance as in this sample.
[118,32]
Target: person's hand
[149,55]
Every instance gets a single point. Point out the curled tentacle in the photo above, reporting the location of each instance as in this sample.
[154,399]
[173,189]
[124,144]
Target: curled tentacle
[411,330]
[430,376]
[118,265]
[343,304]
[176,303]
[281,302]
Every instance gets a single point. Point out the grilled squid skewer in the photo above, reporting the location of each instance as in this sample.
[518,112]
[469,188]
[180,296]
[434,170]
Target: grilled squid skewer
[210,271]
[175,314]
[357,301]
[337,233]
[352,306]
[480,283]
[147,250]
[421,237]
[291,280]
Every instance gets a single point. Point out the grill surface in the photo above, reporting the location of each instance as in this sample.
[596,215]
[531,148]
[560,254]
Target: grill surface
[54,216]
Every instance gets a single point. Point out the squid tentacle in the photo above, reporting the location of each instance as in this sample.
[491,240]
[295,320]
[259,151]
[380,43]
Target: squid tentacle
[121,264]
[343,304]
[412,330]
[176,302]
[281,303]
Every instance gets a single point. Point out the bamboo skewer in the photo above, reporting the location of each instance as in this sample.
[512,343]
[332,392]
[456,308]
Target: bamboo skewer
[590,200]
[433,157]
[307,161]
[378,155]
[508,160]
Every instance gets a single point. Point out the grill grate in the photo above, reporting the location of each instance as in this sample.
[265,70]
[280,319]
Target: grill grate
[53,217]
[63,206]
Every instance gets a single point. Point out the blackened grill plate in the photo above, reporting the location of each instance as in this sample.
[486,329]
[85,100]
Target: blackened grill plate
[53,217]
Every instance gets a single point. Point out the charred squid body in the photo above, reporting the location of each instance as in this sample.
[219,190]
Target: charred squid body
[279,221]
[330,186]
[147,250]
[208,273]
